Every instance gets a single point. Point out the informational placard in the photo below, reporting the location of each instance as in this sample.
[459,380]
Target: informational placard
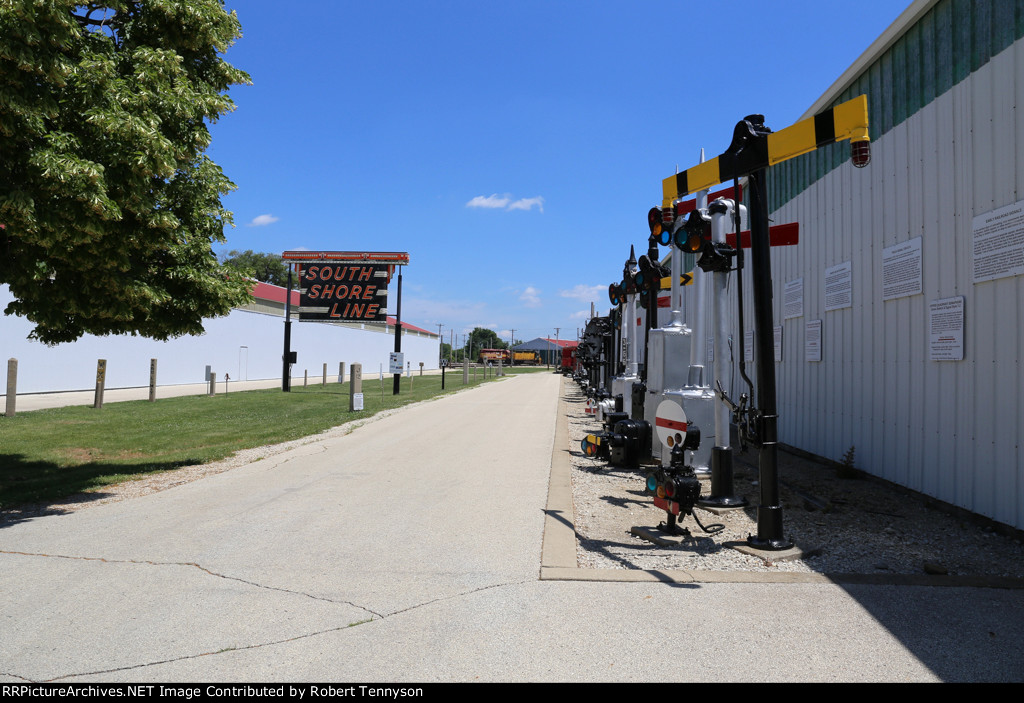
[778,343]
[793,299]
[748,346]
[710,349]
[839,287]
[901,269]
[396,362]
[357,401]
[999,243]
[343,292]
[812,340]
[946,329]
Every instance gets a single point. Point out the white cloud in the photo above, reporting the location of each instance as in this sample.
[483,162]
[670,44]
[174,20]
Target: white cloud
[262,220]
[530,297]
[588,294]
[490,201]
[528,204]
[505,202]
[581,315]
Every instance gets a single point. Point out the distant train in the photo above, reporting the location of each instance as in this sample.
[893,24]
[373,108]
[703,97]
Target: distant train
[526,357]
[494,356]
[507,356]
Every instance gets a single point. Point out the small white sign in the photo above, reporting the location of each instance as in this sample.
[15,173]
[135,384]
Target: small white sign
[839,286]
[999,243]
[396,362]
[901,269]
[357,401]
[793,299]
[778,343]
[812,340]
[946,329]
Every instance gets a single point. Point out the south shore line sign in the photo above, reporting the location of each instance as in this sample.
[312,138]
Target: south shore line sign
[344,285]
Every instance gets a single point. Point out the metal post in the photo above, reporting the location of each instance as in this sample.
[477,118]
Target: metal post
[722,486]
[769,512]
[398,330]
[323,381]
[286,381]
[152,380]
[341,372]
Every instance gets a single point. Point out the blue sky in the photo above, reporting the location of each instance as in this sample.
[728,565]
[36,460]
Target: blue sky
[513,149]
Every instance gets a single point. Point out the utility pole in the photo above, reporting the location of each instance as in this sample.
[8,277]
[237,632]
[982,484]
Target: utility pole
[511,352]
[440,341]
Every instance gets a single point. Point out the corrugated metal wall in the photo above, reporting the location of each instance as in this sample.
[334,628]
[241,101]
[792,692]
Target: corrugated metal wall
[944,114]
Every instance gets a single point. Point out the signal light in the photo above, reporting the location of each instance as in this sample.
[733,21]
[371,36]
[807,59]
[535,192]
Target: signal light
[695,237]
[649,274]
[652,483]
[668,217]
[654,221]
[616,294]
[861,155]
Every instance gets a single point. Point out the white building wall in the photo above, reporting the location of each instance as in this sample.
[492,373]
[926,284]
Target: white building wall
[73,366]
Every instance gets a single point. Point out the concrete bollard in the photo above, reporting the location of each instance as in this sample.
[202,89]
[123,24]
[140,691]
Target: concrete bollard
[305,377]
[341,372]
[12,386]
[101,379]
[152,380]
[213,383]
[501,371]
[355,388]
[465,371]
[323,381]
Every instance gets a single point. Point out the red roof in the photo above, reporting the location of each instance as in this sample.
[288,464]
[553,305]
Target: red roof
[267,291]
[564,343]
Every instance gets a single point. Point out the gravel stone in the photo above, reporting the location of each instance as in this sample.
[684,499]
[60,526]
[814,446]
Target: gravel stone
[867,526]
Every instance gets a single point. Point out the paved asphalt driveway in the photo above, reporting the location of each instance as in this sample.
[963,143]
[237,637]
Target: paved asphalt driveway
[410,550]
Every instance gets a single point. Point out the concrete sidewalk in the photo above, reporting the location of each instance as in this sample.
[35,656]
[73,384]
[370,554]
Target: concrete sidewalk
[410,550]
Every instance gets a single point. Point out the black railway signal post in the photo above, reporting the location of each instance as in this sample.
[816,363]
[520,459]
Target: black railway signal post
[754,148]
[343,286]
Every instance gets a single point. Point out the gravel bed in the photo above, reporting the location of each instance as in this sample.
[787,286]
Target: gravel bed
[844,525]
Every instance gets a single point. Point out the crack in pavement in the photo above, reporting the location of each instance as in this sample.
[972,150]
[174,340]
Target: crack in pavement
[458,595]
[376,615]
[208,654]
[197,566]
[15,676]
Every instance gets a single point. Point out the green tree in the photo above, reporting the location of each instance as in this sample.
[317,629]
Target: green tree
[109,205]
[483,338]
[268,268]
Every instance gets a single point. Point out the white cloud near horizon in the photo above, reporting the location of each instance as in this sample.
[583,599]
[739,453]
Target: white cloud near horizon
[262,220]
[585,293]
[505,202]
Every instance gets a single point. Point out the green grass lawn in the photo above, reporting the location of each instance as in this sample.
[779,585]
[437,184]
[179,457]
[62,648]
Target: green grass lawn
[49,454]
